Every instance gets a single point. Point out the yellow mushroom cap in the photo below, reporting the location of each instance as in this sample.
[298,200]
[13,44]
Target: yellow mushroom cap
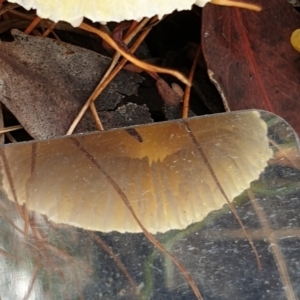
[295,39]
[162,172]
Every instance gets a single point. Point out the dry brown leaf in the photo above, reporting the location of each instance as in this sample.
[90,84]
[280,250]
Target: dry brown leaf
[45,83]
[250,58]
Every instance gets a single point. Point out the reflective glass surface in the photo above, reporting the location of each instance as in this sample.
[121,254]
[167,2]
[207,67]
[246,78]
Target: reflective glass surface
[82,216]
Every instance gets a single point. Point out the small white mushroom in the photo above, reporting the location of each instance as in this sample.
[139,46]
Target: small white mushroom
[73,11]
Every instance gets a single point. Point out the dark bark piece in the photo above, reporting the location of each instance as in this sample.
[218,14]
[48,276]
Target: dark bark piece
[250,58]
[45,83]
[126,115]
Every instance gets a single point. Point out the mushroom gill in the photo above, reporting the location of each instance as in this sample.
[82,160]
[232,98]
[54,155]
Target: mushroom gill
[159,168]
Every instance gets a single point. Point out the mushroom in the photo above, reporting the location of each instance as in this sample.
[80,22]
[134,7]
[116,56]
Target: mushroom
[73,11]
[295,39]
[170,172]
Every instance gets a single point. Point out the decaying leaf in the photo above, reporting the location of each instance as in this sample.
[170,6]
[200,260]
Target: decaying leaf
[45,83]
[251,60]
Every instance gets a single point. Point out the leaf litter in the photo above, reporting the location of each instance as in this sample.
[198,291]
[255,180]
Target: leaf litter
[106,116]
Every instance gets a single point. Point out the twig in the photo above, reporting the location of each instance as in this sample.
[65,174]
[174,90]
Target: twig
[275,248]
[32,25]
[107,78]
[237,4]
[115,258]
[131,58]
[96,116]
[49,29]
[11,128]
[187,92]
